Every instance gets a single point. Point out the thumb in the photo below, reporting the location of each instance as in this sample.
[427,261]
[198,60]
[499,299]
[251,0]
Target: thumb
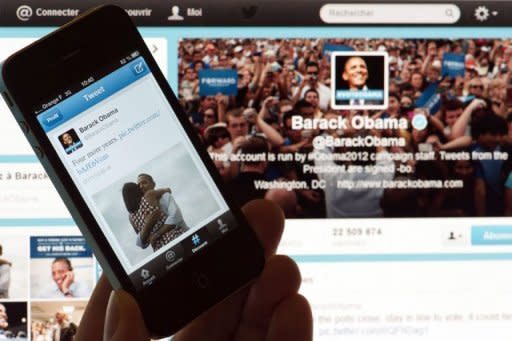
[123,319]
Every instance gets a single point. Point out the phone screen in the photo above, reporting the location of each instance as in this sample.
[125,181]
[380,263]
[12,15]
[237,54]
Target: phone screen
[137,170]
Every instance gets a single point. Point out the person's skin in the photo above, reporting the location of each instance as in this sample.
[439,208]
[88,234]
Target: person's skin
[209,102]
[145,183]
[3,317]
[417,81]
[209,117]
[287,200]
[60,317]
[311,76]
[464,170]
[393,106]
[451,116]
[312,97]
[355,73]
[406,101]
[190,74]
[237,126]
[476,87]
[62,276]
[293,134]
[270,309]
[67,139]
[3,261]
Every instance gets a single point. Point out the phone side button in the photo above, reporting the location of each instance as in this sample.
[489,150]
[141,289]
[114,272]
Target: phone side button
[24,126]
[7,99]
[201,280]
[39,152]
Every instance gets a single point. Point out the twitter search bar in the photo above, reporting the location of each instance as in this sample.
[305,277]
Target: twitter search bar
[390,13]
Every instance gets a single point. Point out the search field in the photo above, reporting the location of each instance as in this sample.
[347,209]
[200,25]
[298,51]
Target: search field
[390,13]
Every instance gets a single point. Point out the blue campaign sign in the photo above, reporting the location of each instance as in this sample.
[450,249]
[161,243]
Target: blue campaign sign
[213,82]
[330,48]
[466,99]
[59,246]
[453,64]
[429,99]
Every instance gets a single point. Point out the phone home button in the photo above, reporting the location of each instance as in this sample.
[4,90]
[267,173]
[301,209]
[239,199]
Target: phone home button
[201,280]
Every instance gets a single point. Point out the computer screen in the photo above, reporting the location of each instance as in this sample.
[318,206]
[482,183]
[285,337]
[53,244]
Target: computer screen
[383,131]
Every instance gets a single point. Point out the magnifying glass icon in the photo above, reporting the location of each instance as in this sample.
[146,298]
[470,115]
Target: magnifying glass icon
[449,12]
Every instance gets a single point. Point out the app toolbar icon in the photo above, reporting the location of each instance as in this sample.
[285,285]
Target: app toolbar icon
[24,12]
[170,256]
[145,274]
[175,16]
[196,240]
[482,13]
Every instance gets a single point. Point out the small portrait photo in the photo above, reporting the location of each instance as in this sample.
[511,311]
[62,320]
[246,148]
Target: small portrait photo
[61,267]
[13,321]
[14,267]
[360,80]
[70,141]
[55,320]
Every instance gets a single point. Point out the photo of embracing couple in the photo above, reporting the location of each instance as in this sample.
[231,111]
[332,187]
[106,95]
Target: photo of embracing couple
[153,213]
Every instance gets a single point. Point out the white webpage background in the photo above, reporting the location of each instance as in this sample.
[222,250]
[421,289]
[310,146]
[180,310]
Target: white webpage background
[358,296]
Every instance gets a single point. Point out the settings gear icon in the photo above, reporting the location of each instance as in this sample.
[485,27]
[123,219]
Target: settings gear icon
[481,13]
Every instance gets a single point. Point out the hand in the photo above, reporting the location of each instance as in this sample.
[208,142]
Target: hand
[221,99]
[477,104]
[270,309]
[153,238]
[237,143]
[152,217]
[432,51]
[435,142]
[69,278]
[311,195]
[270,101]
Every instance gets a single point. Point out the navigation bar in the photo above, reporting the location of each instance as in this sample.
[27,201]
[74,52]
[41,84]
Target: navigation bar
[258,13]
[92,94]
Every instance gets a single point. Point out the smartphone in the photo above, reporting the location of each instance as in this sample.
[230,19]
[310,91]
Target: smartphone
[130,168]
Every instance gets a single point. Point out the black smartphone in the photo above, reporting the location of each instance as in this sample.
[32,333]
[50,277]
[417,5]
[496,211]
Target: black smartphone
[130,167]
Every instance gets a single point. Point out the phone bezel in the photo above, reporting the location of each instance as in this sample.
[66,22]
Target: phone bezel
[29,77]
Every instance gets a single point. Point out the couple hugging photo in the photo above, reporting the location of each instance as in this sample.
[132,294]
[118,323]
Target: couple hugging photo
[153,213]
[156,204]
